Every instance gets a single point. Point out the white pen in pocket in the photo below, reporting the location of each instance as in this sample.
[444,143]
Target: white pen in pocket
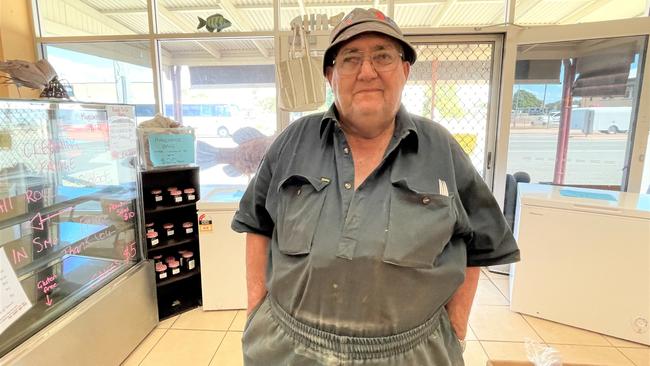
[443,188]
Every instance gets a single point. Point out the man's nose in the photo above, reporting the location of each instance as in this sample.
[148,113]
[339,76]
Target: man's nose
[367,70]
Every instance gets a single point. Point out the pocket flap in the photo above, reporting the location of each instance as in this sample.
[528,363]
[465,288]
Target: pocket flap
[299,179]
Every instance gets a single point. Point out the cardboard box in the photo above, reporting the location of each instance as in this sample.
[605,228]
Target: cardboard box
[526,363]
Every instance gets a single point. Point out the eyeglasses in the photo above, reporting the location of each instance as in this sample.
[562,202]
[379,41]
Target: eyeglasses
[382,61]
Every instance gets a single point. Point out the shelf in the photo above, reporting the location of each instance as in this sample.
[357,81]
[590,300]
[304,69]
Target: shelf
[179,277]
[172,243]
[168,208]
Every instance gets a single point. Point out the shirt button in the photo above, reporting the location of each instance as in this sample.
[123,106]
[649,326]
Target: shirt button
[346,150]
[299,192]
[426,200]
[347,185]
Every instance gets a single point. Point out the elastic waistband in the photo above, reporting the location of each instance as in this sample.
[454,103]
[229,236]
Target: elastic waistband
[353,348]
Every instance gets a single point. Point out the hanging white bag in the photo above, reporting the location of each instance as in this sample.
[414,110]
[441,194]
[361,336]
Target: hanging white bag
[302,85]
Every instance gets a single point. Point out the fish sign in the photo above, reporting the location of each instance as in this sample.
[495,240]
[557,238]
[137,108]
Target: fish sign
[214,22]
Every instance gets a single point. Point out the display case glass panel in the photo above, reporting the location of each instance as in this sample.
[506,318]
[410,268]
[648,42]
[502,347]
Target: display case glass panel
[68,208]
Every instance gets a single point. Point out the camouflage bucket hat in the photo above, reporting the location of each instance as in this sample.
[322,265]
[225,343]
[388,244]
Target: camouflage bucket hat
[360,21]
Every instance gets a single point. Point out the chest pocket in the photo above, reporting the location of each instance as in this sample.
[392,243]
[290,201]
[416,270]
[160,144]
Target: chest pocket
[420,225]
[300,203]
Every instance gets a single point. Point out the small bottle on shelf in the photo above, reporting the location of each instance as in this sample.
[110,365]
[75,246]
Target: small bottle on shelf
[176,197]
[157,259]
[174,267]
[155,197]
[180,256]
[149,227]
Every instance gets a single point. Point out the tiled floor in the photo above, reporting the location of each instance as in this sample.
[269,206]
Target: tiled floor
[213,338]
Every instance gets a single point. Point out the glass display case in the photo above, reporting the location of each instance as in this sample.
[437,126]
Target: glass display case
[69,208]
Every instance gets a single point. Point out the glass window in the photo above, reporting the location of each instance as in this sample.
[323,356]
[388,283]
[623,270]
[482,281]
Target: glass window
[214,16]
[645,182]
[106,72]
[417,14]
[225,89]
[92,17]
[573,110]
[544,12]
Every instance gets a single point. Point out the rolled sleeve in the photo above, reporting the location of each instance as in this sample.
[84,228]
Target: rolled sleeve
[487,235]
[252,216]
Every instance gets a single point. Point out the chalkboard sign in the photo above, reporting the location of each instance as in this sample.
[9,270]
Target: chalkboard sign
[68,203]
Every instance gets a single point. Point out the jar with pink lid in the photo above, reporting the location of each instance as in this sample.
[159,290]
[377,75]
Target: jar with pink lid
[149,227]
[168,230]
[155,197]
[188,260]
[152,238]
[174,267]
[176,197]
[188,228]
[161,271]
[189,194]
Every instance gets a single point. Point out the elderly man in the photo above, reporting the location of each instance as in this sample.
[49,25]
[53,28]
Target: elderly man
[366,225]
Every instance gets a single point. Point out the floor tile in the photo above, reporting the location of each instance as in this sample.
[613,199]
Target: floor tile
[592,355]
[239,322]
[184,347]
[552,332]
[639,356]
[482,275]
[470,336]
[229,352]
[205,320]
[504,287]
[495,276]
[144,347]
[621,343]
[511,351]
[474,354]
[488,294]
[498,323]
[167,323]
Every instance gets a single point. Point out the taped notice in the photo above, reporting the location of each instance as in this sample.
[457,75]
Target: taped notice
[13,302]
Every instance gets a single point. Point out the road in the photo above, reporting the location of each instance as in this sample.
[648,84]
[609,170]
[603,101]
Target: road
[593,159]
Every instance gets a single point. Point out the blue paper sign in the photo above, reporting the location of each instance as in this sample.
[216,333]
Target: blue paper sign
[171,149]
[587,194]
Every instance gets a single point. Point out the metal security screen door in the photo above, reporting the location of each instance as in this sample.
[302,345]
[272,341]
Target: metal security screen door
[455,82]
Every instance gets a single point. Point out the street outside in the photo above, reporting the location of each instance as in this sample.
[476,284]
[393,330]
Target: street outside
[595,159]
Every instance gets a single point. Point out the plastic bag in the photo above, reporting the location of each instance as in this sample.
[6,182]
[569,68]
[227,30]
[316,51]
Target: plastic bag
[541,355]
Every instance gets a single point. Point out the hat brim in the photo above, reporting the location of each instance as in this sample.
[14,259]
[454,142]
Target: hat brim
[367,27]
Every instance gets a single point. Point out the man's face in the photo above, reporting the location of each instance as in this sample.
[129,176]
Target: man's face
[368,100]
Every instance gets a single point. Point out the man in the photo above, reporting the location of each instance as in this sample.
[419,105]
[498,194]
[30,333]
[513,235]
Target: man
[366,225]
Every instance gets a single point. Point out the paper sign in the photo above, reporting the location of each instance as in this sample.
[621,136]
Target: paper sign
[586,194]
[121,131]
[171,149]
[13,302]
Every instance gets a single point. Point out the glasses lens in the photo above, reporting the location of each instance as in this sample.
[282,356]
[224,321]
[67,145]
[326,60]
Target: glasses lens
[350,63]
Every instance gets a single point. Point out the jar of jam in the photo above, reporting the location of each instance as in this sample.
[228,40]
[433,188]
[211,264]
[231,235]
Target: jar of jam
[188,260]
[176,197]
[169,259]
[189,194]
[180,256]
[152,238]
[157,259]
[188,228]
[168,230]
[155,197]
[161,271]
[149,227]
[174,267]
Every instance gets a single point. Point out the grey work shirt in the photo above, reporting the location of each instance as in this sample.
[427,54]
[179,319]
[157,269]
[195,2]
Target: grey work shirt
[383,258]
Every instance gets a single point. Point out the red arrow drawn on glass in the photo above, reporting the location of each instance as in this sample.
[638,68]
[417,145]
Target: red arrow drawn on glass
[48,301]
[38,220]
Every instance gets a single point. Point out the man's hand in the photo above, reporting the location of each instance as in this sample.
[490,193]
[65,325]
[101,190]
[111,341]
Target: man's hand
[257,247]
[460,304]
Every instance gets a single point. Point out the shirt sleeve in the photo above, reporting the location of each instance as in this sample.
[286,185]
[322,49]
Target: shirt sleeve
[252,216]
[487,235]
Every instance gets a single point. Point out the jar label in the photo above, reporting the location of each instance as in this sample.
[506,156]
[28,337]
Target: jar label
[162,275]
[178,199]
[190,265]
[154,242]
[190,197]
[158,198]
[176,271]
[170,232]
[189,230]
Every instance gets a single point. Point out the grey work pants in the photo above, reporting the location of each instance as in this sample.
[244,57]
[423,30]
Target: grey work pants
[273,338]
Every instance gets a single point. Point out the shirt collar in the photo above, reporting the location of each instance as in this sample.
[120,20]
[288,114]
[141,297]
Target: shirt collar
[404,125]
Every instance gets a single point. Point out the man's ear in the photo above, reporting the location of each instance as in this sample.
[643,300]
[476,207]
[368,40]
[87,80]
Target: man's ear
[329,70]
[407,69]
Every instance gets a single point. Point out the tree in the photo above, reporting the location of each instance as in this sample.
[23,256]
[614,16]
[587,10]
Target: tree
[523,99]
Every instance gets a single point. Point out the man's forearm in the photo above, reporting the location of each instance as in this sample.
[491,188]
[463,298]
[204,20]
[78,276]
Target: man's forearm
[460,304]
[256,262]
